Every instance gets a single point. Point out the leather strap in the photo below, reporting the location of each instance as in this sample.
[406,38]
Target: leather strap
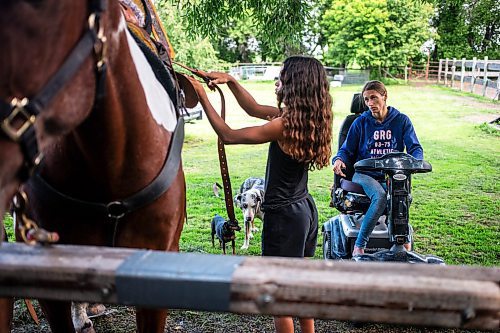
[226,181]
[224,171]
[118,208]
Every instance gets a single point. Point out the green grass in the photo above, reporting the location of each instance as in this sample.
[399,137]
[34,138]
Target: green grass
[8,227]
[455,208]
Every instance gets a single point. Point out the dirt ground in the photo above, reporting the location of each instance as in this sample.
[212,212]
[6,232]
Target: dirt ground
[120,319]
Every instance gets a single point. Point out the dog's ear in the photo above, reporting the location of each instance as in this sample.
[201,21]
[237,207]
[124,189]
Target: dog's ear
[260,199]
[261,196]
[237,199]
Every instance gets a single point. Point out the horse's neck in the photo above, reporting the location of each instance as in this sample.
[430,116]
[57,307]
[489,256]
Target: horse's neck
[124,142]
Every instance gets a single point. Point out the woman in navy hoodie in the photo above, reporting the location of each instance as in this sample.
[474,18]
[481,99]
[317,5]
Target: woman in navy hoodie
[380,130]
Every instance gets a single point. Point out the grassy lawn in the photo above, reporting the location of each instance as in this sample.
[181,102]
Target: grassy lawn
[455,208]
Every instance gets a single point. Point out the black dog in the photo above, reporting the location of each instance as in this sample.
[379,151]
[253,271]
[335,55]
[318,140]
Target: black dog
[224,230]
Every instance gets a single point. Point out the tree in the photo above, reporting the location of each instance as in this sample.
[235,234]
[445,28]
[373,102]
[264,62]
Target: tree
[237,41]
[240,40]
[254,30]
[276,25]
[467,28]
[190,50]
[376,33]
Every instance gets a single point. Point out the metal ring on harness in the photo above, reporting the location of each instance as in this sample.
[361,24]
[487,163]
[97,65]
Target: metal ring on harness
[116,209]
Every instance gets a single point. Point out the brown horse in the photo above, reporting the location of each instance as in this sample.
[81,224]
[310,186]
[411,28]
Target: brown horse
[75,90]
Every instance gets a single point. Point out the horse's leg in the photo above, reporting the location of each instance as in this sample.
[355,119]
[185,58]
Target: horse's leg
[6,304]
[150,320]
[6,309]
[157,232]
[58,314]
[80,318]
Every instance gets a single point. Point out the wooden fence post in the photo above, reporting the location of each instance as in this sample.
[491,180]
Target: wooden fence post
[453,68]
[473,74]
[406,74]
[497,95]
[446,72]
[462,75]
[427,68]
[440,69]
[485,75]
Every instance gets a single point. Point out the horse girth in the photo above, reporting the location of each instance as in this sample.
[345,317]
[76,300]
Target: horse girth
[119,208]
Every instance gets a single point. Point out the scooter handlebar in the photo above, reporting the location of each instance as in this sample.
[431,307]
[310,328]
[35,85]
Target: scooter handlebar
[395,162]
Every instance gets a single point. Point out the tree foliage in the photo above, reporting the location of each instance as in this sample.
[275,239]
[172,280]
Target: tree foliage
[276,25]
[240,40]
[376,33]
[467,28]
[190,50]
[237,40]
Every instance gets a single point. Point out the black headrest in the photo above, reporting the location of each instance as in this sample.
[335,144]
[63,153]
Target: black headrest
[358,105]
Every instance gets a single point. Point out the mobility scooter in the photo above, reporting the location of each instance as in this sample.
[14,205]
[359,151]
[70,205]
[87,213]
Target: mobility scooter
[393,229]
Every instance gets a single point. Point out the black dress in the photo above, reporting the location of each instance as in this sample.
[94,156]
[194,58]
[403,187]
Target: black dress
[290,215]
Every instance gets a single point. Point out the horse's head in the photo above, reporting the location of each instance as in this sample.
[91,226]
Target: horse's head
[45,89]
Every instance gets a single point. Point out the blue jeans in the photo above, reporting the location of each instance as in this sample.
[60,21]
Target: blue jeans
[376,192]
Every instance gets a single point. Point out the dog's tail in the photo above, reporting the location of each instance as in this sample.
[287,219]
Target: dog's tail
[216,188]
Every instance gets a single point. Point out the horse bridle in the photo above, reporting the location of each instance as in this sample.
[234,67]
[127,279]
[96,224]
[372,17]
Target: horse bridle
[26,110]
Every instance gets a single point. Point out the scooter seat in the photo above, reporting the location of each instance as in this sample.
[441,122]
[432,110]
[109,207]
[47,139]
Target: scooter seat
[352,187]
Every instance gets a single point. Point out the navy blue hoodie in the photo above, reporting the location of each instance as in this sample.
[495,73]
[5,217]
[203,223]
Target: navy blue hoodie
[368,138]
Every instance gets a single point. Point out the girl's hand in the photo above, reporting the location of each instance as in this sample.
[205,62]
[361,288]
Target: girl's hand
[219,78]
[197,85]
[338,166]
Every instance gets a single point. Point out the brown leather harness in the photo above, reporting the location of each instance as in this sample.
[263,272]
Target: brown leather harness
[93,42]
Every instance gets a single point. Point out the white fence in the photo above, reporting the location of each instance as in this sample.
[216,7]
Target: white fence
[480,77]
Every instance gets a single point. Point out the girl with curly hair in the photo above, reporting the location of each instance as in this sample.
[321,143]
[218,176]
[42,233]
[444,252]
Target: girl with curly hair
[299,130]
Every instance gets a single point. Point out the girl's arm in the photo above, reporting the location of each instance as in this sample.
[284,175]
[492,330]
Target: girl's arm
[271,131]
[245,100]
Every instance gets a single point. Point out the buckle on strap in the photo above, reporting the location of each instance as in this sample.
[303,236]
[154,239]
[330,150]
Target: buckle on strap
[18,112]
[100,45]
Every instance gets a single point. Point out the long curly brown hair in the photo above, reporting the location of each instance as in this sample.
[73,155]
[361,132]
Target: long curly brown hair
[307,112]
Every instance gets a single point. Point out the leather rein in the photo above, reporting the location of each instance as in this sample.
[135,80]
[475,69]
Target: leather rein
[226,181]
[26,110]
